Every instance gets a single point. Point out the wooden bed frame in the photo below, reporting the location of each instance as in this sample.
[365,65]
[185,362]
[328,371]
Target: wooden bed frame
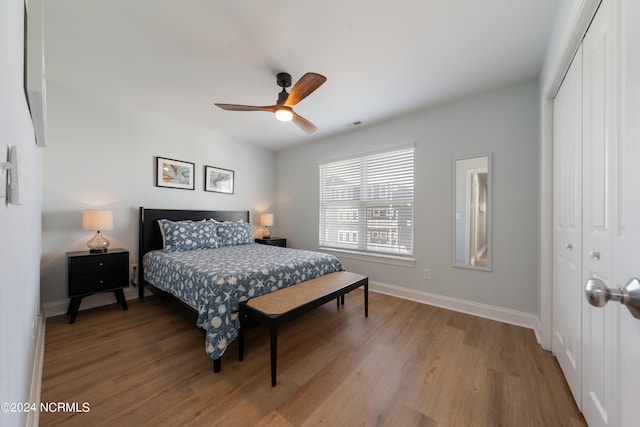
[150,239]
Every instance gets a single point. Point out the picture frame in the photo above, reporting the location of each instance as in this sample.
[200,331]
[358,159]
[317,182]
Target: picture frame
[173,173]
[218,180]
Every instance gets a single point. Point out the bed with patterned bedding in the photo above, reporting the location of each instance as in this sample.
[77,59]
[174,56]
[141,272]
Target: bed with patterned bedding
[214,281]
[206,259]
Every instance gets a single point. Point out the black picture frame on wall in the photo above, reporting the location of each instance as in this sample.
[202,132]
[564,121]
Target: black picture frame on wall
[173,173]
[218,180]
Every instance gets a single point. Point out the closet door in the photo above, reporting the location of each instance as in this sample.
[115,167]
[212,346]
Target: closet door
[626,263]
[600,155]
[567,227]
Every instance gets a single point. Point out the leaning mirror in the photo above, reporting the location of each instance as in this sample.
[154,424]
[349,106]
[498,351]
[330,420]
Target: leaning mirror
[472,210]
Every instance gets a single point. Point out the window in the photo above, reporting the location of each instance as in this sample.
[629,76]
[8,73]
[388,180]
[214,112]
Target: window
[366,203]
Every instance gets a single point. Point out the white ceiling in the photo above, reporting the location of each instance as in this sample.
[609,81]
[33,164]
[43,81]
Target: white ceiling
[381,58]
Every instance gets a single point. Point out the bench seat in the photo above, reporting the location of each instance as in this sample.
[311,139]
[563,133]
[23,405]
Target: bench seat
[285,304]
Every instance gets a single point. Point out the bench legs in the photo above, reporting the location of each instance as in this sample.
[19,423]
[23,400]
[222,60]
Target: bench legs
[241,342]
[366,299]
[273,338]
[273,335]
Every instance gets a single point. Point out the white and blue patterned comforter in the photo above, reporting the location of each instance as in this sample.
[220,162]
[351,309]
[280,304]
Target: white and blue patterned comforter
[214,281]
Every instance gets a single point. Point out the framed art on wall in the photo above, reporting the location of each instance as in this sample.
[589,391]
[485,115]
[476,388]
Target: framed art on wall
[218,180]
[175,173]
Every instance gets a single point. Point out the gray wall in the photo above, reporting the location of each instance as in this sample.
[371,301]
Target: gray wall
[19,225]
[503,122]
[102,155]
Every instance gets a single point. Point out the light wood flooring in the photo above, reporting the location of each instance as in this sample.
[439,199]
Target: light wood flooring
[407,364]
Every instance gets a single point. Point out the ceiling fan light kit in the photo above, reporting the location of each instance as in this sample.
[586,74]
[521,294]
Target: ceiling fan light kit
[284,114]
[283,109]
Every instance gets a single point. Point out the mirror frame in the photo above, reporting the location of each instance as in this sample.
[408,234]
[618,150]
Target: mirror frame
[489,266]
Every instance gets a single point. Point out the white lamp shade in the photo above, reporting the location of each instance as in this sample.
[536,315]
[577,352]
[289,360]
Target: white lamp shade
[96,220]
[266,219]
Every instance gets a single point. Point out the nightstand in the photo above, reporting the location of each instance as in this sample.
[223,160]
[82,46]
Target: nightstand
[89,273]
[274,241]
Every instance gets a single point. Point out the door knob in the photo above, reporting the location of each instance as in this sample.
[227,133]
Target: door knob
[598,294]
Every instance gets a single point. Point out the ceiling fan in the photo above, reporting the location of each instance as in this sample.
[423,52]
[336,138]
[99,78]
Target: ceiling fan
[283,109]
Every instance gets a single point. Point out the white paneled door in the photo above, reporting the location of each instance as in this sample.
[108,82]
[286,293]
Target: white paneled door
[626,245]
[567,227]
[599,164]
[599,220]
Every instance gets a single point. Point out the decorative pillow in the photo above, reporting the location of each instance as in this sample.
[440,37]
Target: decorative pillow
[233,233]
[187,235]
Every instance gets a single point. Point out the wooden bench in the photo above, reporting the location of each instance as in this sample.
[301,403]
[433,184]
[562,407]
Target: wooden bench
[285,304]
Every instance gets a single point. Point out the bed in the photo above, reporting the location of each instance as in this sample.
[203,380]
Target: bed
[212,279]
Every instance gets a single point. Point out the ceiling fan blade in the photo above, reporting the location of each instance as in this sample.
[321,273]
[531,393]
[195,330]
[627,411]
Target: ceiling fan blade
[304,124]
[304,87]
[235,107]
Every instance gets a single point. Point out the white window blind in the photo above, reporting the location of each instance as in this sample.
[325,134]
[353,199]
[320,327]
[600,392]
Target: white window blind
[366,203]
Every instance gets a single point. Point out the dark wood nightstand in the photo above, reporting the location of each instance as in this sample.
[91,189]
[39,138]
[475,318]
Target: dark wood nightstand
[274,241]
[89,273]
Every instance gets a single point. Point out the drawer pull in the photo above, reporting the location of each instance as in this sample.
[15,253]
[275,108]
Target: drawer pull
[101,282]
[100,264]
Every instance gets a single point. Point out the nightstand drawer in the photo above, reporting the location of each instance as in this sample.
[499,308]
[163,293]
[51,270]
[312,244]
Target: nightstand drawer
[99,264]
[84,285]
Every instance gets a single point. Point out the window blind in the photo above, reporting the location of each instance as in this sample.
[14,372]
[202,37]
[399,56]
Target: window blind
[366,203]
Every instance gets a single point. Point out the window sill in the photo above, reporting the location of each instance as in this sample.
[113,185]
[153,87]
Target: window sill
[377,258]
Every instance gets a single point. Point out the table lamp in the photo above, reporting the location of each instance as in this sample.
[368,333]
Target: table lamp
[266,220]
[97,220]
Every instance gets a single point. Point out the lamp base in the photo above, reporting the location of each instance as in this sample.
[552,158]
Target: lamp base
[98,244]
[266,234]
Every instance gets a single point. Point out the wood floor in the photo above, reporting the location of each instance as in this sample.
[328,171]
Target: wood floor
[407,364]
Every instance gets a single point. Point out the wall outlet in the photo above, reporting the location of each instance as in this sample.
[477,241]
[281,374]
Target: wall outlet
[426,274]
[133,274]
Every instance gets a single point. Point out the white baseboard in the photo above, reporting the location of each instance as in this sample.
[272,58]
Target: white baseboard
[526,320]
[33,417]
[518,318]
[57,308]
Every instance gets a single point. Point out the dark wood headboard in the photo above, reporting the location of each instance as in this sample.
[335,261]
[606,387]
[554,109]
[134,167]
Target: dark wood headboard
[149,235]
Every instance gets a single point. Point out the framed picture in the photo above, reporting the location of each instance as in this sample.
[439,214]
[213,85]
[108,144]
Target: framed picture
[175,174]
[218,180]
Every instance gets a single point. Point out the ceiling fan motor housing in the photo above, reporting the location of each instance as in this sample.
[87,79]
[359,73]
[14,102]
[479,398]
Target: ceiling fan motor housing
[284,80]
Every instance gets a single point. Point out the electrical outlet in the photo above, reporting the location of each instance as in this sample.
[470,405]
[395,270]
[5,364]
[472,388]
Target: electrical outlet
[426,275]
[133,274]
